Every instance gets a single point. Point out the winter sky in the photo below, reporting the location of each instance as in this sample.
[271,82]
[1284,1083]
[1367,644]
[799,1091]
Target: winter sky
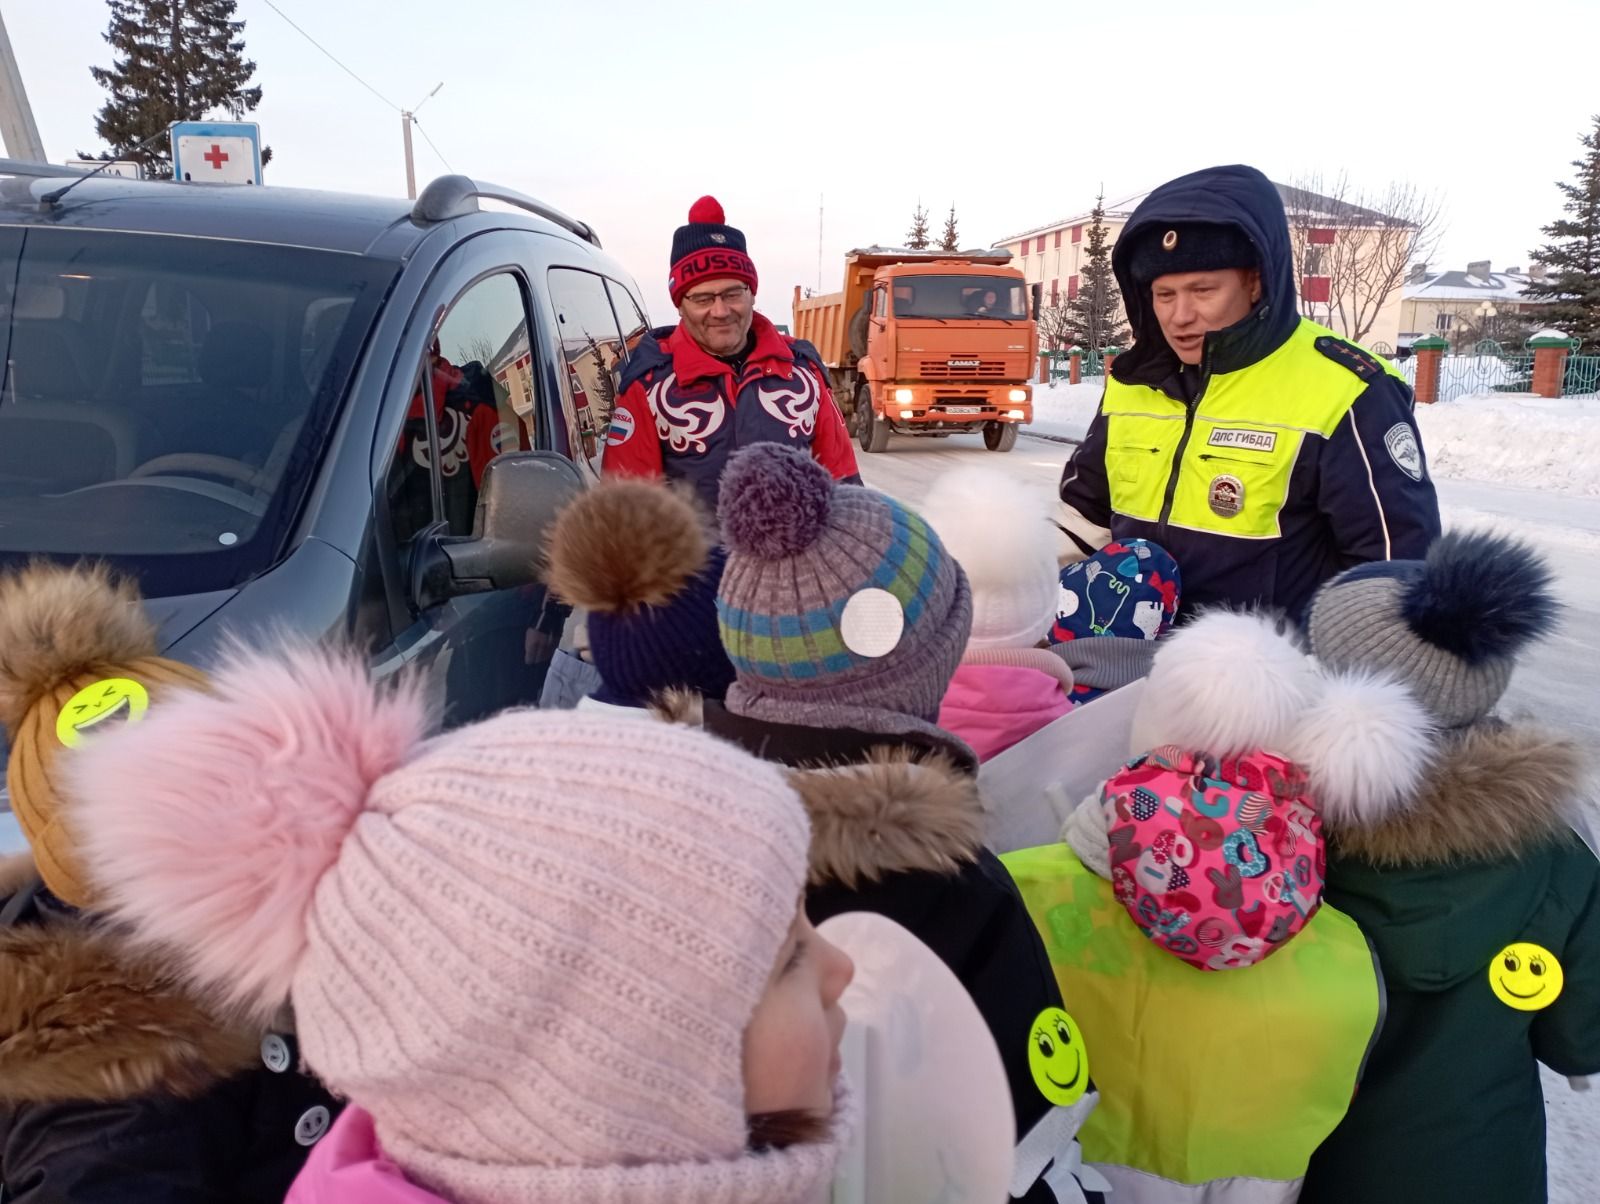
[623,111]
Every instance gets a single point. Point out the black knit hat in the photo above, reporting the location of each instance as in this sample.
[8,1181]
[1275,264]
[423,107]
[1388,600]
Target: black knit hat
[708,249]
[1163,250]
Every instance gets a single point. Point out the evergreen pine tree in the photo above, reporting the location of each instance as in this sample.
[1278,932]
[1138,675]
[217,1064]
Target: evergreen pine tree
[917,237]
[951,240]
[1573,255]
[1095,315]
[173,60]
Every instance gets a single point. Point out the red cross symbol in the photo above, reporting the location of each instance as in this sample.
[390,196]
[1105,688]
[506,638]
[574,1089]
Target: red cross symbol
[216,156]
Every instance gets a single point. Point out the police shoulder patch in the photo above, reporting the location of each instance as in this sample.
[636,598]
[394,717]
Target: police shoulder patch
[1358,359]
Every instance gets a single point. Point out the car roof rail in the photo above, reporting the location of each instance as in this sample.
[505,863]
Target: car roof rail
[457,196]
[39,171]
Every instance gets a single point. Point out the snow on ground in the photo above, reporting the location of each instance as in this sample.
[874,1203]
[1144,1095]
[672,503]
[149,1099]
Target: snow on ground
[1063,411]
[1548,444]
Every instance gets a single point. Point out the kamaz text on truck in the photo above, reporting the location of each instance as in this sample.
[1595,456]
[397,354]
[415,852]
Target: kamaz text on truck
[927,343]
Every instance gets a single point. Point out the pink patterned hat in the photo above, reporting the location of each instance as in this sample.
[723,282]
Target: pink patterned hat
[1219,861]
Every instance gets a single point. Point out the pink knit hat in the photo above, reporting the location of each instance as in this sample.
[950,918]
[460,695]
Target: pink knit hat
[529,947]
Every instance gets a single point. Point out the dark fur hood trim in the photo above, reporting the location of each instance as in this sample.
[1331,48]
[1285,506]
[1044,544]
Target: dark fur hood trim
[888,815]
[1494,792]
[683,707]
[80,1019]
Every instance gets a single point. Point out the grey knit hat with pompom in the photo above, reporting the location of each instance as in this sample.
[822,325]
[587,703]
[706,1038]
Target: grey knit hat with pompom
[839,607]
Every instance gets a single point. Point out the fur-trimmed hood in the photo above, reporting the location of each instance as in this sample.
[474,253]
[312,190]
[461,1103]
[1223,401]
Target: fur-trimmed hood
[1494,791]
[82,1019]
[889,814]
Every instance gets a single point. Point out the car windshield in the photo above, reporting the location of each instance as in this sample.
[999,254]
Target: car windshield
[959,297]
[165,399]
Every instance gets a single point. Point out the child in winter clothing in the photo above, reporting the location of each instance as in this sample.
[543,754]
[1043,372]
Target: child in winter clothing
[1211,841]
[117,1083]
[541,971]
[1009,683]
[845,617]
[1125,597]
[1482,903]
[635,555]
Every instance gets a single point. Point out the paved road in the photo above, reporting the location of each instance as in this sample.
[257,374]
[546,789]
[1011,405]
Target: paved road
[1555,681]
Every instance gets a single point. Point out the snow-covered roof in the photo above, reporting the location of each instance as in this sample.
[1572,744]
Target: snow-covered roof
[1297,202]
[1465,286]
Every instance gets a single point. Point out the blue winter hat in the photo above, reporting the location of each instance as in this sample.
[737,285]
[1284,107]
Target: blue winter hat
[1129,588]
[636,556]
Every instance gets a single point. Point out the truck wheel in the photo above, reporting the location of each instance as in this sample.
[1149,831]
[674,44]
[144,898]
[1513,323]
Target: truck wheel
[872,431]
[999,436]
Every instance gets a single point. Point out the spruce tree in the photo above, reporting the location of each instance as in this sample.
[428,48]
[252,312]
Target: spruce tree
[951,240]
[917,237]
[174,60]
[1573,254]
[1095,314]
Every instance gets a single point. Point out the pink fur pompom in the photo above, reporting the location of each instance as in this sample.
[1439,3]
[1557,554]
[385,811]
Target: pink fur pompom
[209,825]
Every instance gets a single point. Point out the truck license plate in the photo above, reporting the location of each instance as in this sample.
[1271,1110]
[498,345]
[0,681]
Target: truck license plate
[963,409]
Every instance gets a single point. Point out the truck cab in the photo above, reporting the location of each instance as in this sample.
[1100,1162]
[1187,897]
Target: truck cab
[928,343]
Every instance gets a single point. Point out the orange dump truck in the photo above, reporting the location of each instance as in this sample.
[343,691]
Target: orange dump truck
[927,343]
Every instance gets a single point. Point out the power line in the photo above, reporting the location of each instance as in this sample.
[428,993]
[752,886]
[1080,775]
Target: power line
[429,141]
[336,61]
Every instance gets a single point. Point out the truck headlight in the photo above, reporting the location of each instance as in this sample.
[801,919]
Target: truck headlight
[1014,414]
[908,413]
[903,396]
[1018,395]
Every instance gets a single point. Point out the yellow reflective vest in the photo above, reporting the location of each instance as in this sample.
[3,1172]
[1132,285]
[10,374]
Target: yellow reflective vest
[1276,477]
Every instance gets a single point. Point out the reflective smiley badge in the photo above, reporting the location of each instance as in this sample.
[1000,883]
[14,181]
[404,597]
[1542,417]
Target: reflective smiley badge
[104,704]
[1058,1057]
[1525,976]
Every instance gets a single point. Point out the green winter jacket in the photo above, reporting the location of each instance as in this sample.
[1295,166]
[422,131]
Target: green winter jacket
[1450,1107]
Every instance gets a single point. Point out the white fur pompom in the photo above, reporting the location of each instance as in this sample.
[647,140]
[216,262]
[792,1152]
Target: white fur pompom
[1226,684]
[1366,744]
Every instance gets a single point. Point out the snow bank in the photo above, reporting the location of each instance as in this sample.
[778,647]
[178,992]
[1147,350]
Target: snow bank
[1548,444]
[1064,411]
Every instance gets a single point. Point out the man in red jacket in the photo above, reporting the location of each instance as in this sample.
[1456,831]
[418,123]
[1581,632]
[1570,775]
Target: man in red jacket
[722,379]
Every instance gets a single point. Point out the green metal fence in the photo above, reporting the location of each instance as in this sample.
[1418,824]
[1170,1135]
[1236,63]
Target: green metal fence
[1061,364]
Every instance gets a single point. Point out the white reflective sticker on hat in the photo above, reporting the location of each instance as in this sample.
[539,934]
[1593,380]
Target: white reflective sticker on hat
[1401,441]
[872,623]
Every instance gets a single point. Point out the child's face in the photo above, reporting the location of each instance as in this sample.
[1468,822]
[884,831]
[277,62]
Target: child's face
[791,1047]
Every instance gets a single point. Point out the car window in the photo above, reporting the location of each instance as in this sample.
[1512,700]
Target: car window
[165,401]
[630,318]
[594,351]
[479,372]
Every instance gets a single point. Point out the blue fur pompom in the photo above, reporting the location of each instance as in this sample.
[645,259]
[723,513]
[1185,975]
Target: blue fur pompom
[1480,596]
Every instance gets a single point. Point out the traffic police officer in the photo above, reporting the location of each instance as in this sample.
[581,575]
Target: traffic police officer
[1265,452]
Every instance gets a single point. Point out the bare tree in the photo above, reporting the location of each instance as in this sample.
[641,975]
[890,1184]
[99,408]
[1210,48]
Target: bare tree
[1055,325]
[479,348]
[1362,241]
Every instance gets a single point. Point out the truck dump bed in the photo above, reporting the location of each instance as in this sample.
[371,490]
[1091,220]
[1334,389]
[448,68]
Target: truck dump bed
[824,321]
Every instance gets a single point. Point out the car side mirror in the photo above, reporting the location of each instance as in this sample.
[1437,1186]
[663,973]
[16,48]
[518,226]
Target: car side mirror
[521,494]
[1037,289]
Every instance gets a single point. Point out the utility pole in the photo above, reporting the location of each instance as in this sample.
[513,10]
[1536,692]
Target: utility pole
[407,116]
[411,169]
[17,126]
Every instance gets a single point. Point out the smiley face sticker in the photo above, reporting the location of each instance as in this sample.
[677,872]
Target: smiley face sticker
[1525,976]
[1058,1057]
[105,704]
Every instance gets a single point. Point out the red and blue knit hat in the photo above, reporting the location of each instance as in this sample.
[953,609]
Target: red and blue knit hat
[708,249]
[839,607]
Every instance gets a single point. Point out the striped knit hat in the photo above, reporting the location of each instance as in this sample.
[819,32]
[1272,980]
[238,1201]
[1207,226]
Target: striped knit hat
[839,607]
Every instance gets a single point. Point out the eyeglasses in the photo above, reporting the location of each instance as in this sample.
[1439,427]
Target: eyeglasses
[728,296]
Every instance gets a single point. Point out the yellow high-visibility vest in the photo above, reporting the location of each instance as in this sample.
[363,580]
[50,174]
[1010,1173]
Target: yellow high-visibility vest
[1229,1078]
[1226,469]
